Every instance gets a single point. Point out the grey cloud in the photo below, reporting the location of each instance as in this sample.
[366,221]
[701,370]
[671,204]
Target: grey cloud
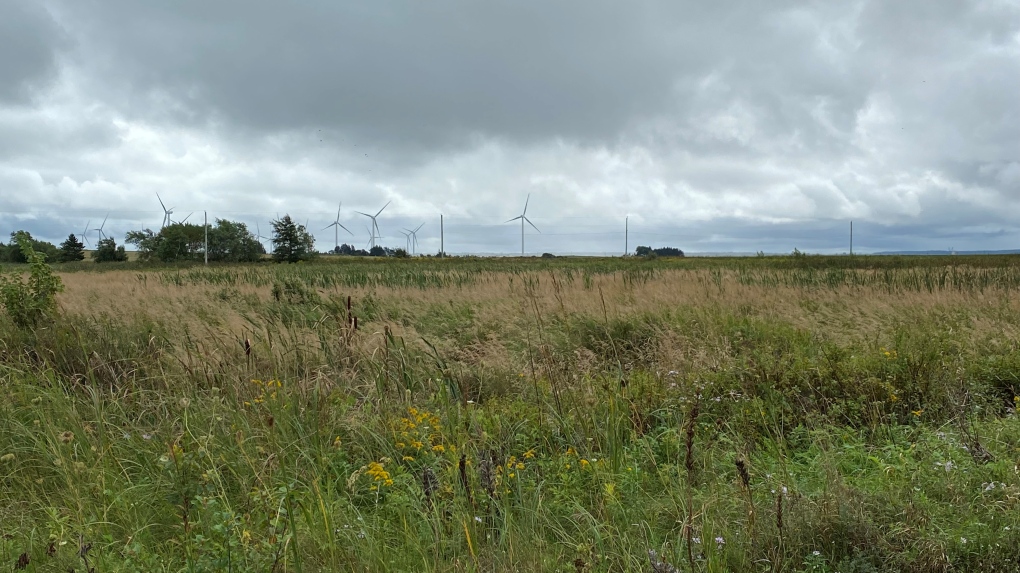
[30,43]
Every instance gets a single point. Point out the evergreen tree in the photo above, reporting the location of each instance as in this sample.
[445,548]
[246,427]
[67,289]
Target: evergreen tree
[291,242]
[71,250]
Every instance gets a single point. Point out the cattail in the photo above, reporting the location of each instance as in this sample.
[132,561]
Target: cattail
[485,472]
[779,514]
[22,562]
[429,484]
[745,477]
[689,439]
[462,467]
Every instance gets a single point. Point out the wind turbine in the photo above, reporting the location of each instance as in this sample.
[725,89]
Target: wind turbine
[258,235]
[182,221]
[407,240]
[102,235]
[524,217]
[336,228]
[84,237]
[414,237]
[375,225]
[166,212]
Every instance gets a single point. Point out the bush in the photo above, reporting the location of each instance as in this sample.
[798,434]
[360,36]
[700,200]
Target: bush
[107,251]
[29,302]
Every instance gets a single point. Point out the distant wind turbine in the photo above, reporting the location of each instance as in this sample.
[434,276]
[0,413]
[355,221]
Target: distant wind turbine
[83,235]
[375,225]
[166,212]
[414,237]
[102,235]
[336,228]
[524,217]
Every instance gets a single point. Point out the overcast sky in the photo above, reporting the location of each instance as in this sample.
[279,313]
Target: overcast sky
[715,126]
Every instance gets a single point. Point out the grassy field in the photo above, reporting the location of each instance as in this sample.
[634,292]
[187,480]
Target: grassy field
[825,414]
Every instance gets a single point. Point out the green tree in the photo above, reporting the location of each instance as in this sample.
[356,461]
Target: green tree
[291,242]
[28,302]
[71,250]
[231,241]
[107,251]
[12,253]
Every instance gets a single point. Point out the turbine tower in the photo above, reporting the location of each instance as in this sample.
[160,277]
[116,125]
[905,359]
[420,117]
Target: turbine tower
[414,237]
[524,217]
[166,212]
[407,240]
[336,228]
[374,232]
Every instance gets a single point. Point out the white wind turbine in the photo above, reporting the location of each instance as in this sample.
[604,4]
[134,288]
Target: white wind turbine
[524,217]
[375,225]
[258,235]
[83,235]
[336,228]
[414,237]
[166,212]
[407,240]
[102,235]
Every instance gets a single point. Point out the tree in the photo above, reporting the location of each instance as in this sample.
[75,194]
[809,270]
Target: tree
[107,251]
[12,253]
[71,250]
[643,251]
[231,241]
[291,242]
[377,251]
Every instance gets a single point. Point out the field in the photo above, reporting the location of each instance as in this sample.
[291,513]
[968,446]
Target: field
[825,414]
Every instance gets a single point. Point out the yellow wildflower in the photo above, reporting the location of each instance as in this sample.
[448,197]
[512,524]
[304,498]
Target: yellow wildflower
[529,454]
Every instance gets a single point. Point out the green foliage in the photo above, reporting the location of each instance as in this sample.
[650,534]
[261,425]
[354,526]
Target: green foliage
[232,242]
[28,302]
[12,253]
[377,251]
[659,252]
[71,250]
[107,251]
[229,241]
[291,242]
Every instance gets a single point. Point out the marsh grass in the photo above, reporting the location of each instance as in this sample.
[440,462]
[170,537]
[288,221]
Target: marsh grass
[781,415]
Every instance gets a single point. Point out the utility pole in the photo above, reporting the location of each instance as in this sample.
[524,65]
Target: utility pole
[851,238]
[626,236]
[442,247]
[205,218]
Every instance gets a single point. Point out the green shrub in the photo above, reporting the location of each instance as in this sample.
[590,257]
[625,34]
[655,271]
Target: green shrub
[28,302]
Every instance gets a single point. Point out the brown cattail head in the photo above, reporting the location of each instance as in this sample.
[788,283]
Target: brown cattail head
[247,346]
[779,513]
[689,438]
[745,477]
[429,484]
[22,562]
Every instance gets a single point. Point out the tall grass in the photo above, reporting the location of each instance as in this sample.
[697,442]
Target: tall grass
[539,415]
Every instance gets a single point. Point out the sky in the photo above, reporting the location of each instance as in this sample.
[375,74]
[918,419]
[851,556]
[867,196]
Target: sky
[731,126]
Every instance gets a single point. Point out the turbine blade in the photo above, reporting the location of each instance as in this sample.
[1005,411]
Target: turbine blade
[346,229]
[338,210]
[383,207]
[160,201]
[514,219]
[532,224]
[365,214]
[328,226]
[419,227]
[526,205]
